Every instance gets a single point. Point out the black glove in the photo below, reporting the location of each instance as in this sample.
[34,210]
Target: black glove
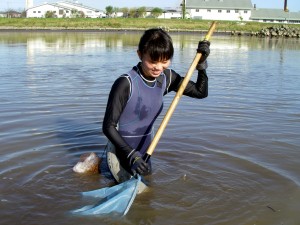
[137,164]
[203,48]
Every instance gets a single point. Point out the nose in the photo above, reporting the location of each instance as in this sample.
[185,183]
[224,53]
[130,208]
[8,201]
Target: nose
[158,66]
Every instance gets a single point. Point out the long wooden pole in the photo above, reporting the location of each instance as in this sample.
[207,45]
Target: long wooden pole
[177,97]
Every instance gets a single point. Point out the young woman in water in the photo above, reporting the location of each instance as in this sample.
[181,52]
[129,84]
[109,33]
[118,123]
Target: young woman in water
[136,98]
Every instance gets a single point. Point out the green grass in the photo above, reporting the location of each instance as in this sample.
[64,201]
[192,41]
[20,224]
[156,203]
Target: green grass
[129,23]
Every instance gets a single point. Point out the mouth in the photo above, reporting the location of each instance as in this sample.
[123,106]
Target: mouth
[156,73]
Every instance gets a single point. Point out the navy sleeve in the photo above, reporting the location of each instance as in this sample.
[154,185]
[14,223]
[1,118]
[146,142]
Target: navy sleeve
[117,100]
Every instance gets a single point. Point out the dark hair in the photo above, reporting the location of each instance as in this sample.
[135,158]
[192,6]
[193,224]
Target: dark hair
[157,43]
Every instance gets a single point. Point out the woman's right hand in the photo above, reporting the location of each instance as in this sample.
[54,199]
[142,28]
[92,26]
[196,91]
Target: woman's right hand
[138,165]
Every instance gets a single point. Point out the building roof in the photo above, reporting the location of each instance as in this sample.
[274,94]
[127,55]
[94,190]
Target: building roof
[67,5]
[219,4]
[53,4]
[273,14]
[77,5]
[166,9]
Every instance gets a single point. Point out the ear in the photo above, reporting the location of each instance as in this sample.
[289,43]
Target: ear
[139,54]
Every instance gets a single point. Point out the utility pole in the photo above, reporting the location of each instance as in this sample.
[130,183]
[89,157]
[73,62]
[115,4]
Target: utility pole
[183,8]
[28,4]
[285,6]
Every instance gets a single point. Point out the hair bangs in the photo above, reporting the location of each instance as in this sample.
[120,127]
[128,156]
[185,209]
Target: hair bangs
[160,53]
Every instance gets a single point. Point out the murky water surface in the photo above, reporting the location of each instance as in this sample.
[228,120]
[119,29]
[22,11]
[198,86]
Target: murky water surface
[232,158]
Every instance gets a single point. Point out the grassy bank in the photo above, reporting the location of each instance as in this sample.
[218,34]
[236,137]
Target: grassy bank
[129,23]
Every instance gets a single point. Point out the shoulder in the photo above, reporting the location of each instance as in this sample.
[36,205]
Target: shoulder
[121,85]
[123,80]
[171,76]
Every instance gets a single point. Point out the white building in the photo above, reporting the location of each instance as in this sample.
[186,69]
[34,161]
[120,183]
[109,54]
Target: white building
[233,10]
[171,14]
[275,16]
[3,14]
[64,9]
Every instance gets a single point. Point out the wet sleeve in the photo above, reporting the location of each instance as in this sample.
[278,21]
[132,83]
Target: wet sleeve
[117,100]
[198,89]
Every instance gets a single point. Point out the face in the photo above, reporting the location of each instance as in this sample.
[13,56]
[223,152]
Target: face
[152,69]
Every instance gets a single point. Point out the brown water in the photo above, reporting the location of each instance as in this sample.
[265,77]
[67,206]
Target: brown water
[232,158]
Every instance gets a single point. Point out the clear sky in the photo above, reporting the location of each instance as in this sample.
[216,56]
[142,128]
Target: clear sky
[293,5]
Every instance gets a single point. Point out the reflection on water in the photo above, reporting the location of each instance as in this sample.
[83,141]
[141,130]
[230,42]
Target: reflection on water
[231,158]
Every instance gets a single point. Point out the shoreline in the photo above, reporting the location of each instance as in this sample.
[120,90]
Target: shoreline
[61,29]
[233,28]
[271,32]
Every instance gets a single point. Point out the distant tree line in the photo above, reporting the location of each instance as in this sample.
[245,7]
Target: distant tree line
[133,12]
[110,12]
